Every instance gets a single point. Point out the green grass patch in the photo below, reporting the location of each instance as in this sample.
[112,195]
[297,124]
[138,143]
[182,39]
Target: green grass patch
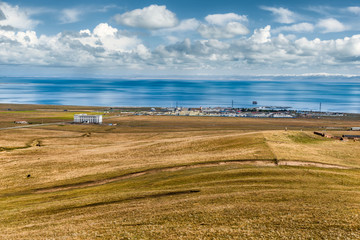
[305,138]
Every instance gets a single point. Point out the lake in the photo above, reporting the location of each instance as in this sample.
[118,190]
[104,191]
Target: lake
[335,95]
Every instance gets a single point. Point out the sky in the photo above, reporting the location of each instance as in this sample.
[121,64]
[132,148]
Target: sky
[111,38]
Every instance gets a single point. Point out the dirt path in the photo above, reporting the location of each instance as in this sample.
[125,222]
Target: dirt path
[311,164]
[32,125]
[261,163]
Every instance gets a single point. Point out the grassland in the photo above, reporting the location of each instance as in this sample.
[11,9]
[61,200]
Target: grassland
[155,177]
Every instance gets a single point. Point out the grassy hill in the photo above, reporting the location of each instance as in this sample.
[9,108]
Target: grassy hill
[153,177]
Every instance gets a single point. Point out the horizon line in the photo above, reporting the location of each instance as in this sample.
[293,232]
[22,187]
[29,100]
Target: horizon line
[190,77]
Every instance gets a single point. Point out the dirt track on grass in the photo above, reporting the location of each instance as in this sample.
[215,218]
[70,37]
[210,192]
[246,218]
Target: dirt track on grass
[260,163]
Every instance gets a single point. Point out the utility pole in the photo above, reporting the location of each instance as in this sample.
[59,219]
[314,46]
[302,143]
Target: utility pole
[232,103]
[320,107]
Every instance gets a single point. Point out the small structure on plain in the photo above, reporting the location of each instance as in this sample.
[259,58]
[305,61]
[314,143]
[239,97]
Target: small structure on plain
[84,118]
[21,122]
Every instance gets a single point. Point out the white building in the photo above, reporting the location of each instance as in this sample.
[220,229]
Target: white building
[84,118]
[281,115]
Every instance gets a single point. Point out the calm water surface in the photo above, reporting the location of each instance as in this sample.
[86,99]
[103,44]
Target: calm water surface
[335,96]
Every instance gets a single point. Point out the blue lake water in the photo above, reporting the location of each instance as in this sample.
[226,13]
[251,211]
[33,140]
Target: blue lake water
[340,95]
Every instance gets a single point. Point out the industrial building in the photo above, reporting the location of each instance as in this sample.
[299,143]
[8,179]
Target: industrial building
[84,118]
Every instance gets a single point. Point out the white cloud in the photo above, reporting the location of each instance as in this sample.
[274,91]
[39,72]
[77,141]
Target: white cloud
[230,30]
[106,47]
[104,30]
[223,26]
[347,47]
[70,15]
[354,9]
[283,15]
[184,26]
[261,35]
[261,51]
[331,25]
[174,34]
[223,19]
[172,39]
[107,8]
[15,17]
[299,27]
[216,44]
[27,38]
[236,28]
[151,17]
[143,52]
[108,38]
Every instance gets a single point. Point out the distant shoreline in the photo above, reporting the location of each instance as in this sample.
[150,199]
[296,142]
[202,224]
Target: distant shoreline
[149,110]
[260,77]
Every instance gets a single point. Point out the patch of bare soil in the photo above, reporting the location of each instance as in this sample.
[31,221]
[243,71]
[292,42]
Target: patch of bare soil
[310,164]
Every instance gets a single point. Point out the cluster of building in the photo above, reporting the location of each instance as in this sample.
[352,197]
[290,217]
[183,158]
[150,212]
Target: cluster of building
[222,112]
[211,112]
[257,112]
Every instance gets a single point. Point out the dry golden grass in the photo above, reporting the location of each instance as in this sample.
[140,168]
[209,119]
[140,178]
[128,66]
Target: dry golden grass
[233,202]
[154,177]
[305,146]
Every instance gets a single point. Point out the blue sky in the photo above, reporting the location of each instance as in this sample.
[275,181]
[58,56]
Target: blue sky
[143,38]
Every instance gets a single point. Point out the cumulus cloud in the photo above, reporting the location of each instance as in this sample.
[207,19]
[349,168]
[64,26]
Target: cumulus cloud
[13,17]
[261,51]
[184,26]
[261,35]
[227,25]
[176,33]
[282,15]
[236,28]
[104,30]
[299,27]
[329,25]
[151,17]
[223,19]
[230,30]
[354,9]
[108,39]
[70,15]
[105,46]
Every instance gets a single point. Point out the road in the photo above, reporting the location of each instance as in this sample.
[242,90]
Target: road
[32,125]
[44,124]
